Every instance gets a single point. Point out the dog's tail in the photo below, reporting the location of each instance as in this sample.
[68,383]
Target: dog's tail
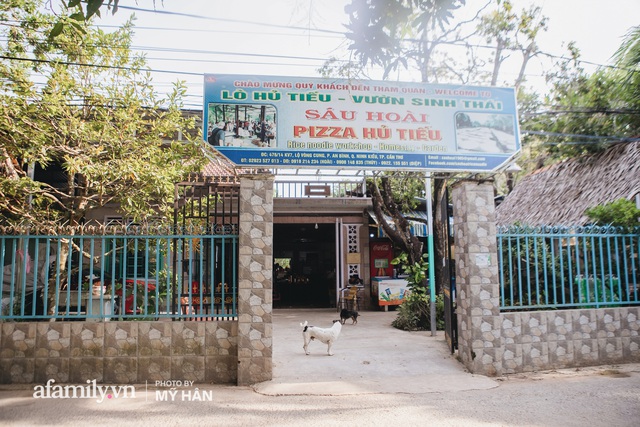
[304,325]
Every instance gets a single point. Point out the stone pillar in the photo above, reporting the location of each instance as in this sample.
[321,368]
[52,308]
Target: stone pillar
[255,329]
[480,343]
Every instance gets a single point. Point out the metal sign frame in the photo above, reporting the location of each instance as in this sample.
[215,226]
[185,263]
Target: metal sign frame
[291,122]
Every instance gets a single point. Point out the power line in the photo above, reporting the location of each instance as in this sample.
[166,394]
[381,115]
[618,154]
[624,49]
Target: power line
[205,52]
[332,32]
[573,135]
[214,52]
[60,62]
[588,111]
[80,64]
[223,53]
[339,33]
[218,61]
[218,31]
[236,21]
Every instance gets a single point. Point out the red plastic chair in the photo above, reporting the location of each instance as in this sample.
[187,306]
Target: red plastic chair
[130,298]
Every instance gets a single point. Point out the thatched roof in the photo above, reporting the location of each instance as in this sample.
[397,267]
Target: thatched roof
[560,194]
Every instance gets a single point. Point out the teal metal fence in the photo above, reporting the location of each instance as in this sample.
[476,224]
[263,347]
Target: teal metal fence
[568,267]
[120,273]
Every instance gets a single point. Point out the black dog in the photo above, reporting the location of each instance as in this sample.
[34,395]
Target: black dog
[348,314]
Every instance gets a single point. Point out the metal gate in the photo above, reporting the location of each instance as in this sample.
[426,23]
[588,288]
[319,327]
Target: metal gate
[448,279]
[206,270]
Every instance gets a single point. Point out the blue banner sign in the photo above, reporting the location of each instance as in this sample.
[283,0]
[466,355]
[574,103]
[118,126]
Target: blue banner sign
[290,122]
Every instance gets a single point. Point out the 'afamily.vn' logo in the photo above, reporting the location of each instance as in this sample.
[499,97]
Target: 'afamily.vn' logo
[91,391]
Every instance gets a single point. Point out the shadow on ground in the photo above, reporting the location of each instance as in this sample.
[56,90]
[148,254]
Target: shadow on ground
[369,357]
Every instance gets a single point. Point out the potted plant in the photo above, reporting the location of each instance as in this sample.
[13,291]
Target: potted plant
[92,283]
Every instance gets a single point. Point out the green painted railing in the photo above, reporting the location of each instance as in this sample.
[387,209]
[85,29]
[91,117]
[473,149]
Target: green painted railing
[568,267]
[120,273]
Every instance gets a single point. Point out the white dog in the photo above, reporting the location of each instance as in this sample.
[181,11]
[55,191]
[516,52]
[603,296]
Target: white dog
[325,335]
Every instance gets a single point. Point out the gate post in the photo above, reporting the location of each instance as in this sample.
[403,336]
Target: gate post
[480,343]
[255,264]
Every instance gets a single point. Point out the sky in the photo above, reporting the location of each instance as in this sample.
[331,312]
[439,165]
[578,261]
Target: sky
[185,39]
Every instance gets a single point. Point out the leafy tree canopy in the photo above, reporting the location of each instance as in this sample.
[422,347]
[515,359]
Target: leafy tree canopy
[419,34]
[584,111]
[395,33]
[82,102]
[78,12]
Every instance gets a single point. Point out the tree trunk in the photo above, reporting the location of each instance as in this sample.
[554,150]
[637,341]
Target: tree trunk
[497,62]
[526,56]
[400,231]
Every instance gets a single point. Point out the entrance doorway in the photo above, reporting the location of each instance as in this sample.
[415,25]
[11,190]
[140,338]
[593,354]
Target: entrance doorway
[304,257]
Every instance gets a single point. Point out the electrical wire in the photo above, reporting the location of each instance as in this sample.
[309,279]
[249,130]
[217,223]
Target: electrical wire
[588,111]
[339,33]
[320,32]
[236,21]
[332,32]
[594,139]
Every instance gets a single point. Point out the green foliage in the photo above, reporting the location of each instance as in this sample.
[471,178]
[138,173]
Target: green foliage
[590,109]
[628,54]
[621,213]
[416,272]
[628,60]
[84,102]
[414,314]
[406,34]
[405,188]
[392,196]
[507,30]
[377,29]
[583,105]
[76,15]
[529,260]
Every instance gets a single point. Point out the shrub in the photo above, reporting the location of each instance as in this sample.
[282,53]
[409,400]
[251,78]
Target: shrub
[621,213]
[414,314]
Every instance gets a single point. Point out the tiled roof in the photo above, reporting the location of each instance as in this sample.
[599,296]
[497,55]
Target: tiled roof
[220,167]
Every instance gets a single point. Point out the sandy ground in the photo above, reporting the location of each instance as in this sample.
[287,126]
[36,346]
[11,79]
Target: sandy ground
[378,376]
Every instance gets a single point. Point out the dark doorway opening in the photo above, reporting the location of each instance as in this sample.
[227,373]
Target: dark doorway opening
[304,257]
